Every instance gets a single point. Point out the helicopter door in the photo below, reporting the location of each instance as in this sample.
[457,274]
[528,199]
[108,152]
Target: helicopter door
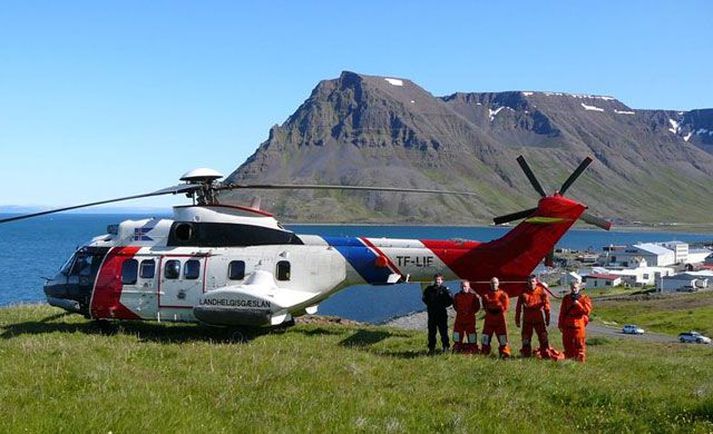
[182,281]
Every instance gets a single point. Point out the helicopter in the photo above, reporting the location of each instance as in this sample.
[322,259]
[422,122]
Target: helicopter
[232,265]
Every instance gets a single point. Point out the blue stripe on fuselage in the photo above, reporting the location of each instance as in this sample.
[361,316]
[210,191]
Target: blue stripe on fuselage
[360,257]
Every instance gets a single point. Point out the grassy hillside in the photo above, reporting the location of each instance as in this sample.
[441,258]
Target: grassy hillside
[670,314]
[60,374]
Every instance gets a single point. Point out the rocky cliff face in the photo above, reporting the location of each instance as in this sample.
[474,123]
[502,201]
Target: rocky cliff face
[652,165]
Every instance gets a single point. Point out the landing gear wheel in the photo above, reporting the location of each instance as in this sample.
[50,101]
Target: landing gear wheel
[238,336]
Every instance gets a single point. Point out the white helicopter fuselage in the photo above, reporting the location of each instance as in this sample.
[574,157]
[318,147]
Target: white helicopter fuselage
[145,273]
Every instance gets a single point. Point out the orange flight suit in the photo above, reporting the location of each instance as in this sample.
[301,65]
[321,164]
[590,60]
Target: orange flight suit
[573,319]
[466,304]
[530,307]
[495,304]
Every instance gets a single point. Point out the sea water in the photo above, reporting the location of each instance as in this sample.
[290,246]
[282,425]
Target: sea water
[33,249]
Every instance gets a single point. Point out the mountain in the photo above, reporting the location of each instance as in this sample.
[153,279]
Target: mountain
[652,165]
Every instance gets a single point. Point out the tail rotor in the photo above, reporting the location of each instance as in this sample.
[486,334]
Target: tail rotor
[586,217]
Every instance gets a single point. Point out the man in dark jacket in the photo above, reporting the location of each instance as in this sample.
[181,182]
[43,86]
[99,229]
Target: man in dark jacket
[437,298]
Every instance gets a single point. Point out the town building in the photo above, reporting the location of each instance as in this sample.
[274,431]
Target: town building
[640,276]
[688,281]
[632,256]
[597,280]
[699,255]
[679,248]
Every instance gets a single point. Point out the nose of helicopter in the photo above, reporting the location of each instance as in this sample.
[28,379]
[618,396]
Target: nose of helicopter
[58,293]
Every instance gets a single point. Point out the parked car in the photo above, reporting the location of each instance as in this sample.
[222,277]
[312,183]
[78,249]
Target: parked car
[632,329]
[693,337]
[687,288]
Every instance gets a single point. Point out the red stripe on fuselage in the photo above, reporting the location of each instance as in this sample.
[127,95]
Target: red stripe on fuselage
[106,300]
[376,250]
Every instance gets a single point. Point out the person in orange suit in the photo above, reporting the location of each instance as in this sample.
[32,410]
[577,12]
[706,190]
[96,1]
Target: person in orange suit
[533,312]
[495,303]
[573,320]
[466,303]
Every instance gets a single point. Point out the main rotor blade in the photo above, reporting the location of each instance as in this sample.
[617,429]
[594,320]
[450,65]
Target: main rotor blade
[338,187]
[182,188]
[531,176]
[514,216]
[596,221]
[573,177]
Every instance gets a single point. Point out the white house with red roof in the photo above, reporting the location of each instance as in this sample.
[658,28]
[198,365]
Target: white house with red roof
[602,280]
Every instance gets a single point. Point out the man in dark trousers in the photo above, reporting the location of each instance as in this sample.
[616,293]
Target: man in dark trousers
[437,298]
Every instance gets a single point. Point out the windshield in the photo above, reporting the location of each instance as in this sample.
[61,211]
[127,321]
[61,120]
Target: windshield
[84,262]
[64,269]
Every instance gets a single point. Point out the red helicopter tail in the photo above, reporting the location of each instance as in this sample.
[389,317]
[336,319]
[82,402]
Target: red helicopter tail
[514,256]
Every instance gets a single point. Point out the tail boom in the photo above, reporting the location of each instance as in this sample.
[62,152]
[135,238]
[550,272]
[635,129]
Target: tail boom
[514,256]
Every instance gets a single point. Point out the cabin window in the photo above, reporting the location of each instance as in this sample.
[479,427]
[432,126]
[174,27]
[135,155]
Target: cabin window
[236,270]
[283,270]
[184,231]
[129,271]
[192,269]
[172,269]
[147,269]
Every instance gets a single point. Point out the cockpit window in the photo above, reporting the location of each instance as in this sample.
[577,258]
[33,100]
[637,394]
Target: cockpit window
[79,265]
[129,271]
[147,269]
[192,269]
[172,269]
[85,265]
[67,265]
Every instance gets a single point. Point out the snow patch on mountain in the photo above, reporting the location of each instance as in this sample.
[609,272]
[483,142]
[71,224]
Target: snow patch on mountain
[592,107]
[581,96]
[492,113]
[675,127]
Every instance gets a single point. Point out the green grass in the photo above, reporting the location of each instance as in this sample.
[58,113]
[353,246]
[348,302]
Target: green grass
[608,291]
[59,373]
[670,314]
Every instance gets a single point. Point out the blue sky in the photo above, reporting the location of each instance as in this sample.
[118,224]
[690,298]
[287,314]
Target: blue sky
[106,99]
